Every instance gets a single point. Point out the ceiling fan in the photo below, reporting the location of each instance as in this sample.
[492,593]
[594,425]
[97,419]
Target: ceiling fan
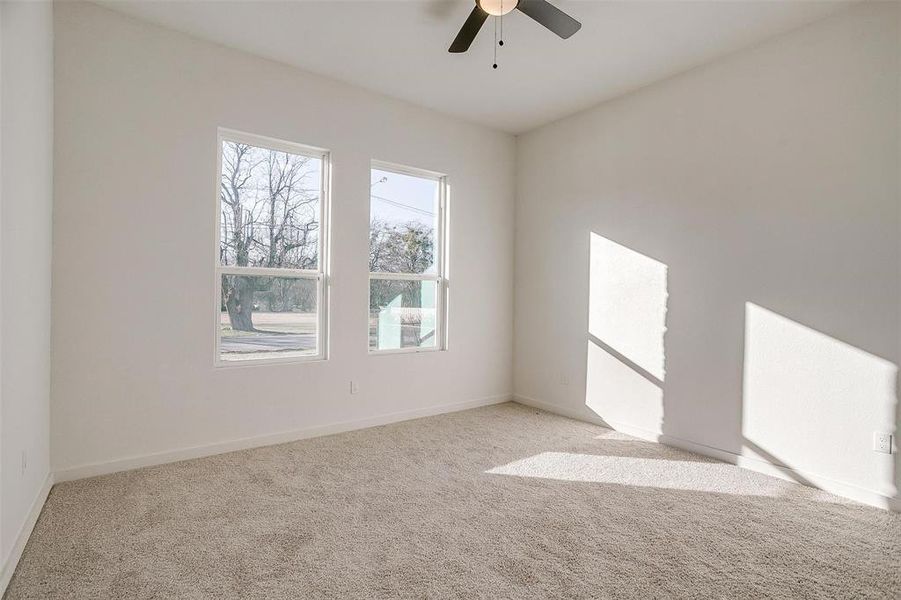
[540,10]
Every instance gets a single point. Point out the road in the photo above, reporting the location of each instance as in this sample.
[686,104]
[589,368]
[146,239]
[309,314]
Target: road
[276,342]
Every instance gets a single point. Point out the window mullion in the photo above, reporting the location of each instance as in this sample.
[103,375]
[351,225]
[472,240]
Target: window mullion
[269,272]
[404,276]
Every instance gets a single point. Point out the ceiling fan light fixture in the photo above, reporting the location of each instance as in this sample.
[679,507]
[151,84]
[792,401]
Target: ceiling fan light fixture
[541,11]
[497,8]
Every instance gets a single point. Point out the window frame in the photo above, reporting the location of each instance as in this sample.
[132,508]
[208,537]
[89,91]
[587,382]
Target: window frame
[320,275]
[440,277]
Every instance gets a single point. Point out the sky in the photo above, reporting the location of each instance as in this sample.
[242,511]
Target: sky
[397,198]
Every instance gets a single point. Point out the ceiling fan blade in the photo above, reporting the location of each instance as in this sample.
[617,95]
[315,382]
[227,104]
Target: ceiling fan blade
[550,16]
[468,32]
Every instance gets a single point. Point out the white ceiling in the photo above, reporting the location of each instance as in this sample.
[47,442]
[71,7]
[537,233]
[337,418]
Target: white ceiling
[399,47]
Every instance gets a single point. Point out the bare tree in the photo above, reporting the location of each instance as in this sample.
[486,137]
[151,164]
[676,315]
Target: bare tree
[270,218]
[400,248]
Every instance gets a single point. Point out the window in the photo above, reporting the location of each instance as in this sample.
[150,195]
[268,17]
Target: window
[407,266]
[271,298]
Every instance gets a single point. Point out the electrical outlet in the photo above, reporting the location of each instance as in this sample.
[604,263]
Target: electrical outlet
[882,442]
[563,378]
[24,461]
[354,387]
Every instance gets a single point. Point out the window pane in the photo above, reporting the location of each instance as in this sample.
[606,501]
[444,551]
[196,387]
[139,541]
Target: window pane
[403,223]
[268,317]
[402,314]
[270,208]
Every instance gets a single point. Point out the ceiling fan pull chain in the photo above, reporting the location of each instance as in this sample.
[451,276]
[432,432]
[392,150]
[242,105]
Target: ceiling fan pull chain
[494,66]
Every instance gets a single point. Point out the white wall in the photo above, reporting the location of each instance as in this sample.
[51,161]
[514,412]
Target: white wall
[26,138]
[748,213]
[137,109]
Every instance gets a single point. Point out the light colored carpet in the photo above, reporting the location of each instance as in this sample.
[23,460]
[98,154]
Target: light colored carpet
[499,502]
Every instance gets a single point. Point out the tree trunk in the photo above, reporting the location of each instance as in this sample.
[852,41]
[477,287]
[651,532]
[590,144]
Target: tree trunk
[240,304]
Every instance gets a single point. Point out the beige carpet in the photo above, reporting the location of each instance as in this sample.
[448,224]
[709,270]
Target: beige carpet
[499,502]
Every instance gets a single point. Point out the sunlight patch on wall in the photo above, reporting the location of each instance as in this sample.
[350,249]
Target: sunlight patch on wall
[804,392]
[627,303]
[626,325]
[619,394]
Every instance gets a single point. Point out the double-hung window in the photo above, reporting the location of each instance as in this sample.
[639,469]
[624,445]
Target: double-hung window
[407,259]
[272,212]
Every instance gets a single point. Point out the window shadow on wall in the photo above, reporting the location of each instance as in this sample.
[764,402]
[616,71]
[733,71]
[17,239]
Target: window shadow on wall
[626,363]
[793,396]
[808,397]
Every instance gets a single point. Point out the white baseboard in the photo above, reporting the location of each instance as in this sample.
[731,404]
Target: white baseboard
[134,462]
[9,566]
[159,458]
[827,484]
[583,414]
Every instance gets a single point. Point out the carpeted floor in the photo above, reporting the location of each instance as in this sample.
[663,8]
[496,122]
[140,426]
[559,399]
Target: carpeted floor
[498,502]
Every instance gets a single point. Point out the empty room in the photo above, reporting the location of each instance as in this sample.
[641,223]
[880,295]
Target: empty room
[589,299]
